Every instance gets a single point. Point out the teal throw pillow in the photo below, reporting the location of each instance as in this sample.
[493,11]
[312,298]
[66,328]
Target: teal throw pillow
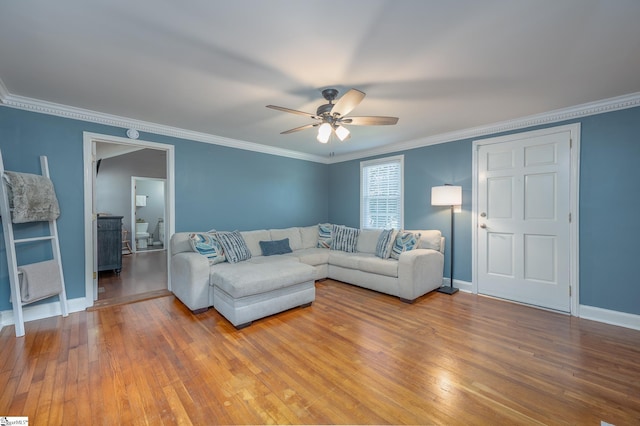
[405,241]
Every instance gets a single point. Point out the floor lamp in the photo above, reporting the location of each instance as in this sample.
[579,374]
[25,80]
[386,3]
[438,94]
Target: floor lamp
[447,195]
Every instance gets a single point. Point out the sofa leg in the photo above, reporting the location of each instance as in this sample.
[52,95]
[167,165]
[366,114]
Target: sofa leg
[241,326]
[199,311]
[407,300]
[306,305]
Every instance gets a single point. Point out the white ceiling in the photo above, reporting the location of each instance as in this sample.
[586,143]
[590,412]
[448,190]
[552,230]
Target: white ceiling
[212,66]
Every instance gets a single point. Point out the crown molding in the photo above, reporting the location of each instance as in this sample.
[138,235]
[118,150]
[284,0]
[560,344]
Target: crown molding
[4,93]
[592,108]
[607,105]
[50,108]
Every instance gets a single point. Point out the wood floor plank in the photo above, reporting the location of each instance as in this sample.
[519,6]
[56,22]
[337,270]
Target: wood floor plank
[354,356]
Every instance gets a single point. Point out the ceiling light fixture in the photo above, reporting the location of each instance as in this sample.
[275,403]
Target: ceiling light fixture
[324,132]
[343,133]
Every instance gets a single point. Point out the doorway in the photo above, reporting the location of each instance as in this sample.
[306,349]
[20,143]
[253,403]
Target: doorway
[147,214]
[525,198]
[123,153]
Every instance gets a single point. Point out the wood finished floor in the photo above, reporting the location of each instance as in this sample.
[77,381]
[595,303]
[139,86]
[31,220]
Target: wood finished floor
[143,276]
[354,356]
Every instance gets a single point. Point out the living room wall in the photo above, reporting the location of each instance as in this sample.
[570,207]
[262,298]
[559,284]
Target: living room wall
[216,187]
[609,226]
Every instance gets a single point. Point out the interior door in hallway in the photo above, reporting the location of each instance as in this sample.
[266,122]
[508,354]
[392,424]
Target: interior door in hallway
[523,225]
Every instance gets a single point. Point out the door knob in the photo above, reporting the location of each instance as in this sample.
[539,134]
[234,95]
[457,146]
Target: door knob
[483,226]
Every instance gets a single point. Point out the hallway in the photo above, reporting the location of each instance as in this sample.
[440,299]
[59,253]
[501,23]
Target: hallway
[143,276]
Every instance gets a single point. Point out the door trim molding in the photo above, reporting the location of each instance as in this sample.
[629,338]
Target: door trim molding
[89,139]
[574,181]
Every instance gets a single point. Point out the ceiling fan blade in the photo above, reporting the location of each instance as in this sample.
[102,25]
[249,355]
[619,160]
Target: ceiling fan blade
[347,102]
[292,111]
[370,121]
[297,129]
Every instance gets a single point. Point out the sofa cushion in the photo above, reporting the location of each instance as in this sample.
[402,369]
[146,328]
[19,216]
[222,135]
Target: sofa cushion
[269,248]
[430,239]
[312,256]
[324,235]
[343,259]
[253,238]
[375,265]
[385,243]
[235,248]
[293,234]
[309,236]
[367,240]
[207,245]
[245,279]
[344,238]
[404,241]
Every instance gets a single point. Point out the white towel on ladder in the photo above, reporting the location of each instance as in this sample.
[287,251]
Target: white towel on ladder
[39,281]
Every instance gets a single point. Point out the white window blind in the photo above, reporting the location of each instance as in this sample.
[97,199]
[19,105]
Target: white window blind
[381,193]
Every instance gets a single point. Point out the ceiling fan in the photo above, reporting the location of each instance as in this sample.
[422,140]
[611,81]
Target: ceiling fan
[331,117]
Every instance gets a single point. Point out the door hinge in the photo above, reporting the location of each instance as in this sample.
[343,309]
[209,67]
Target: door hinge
[569,291]
[569,217]
[570,143]
[95,275]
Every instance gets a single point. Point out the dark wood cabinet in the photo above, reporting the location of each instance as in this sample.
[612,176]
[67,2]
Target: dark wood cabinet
[110,243]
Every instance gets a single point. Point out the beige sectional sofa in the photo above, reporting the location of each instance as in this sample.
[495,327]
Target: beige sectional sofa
[265,285]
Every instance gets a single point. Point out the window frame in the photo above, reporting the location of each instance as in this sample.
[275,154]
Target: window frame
[381,161]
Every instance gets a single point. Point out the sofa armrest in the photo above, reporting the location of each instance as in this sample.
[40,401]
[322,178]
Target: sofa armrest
[190,279]
[419,272]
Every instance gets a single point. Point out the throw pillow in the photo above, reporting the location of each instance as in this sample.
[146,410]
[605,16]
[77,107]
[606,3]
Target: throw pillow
[344,238]
[269,248]
[405,241]
[234,246]
[385,244]
[207,245]
[324,235]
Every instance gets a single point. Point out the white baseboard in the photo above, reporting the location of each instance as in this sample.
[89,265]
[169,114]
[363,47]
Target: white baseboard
[621,319]
[607,316]
[45,310]
[461,285]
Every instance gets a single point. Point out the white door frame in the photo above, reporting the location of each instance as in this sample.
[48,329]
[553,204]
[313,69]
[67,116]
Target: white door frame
[574,175]
[89,141]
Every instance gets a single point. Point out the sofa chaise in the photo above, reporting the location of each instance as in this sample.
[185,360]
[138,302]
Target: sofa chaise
[280,267]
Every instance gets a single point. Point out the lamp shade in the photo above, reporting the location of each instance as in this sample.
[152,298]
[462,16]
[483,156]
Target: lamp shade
[447,195]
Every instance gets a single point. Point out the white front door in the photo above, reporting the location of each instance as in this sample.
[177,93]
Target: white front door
[523,207]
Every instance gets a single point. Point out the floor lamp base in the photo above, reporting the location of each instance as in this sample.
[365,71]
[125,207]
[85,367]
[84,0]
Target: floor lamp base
[447,290]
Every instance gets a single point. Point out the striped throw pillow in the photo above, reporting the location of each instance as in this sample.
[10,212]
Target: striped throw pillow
[385,243]
[324,235]
[234,246]
[344,238]
[405,241]
[207,245]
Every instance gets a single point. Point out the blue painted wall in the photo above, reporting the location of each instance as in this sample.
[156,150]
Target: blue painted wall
[226,188]
[216,187]
[609,224]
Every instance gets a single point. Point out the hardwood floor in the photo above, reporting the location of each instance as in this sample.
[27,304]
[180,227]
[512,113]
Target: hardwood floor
[354,356]
[143,276]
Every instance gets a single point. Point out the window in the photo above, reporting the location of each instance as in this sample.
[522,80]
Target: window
[382,193]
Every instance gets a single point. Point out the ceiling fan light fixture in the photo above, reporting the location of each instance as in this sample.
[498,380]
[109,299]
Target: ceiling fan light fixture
[324,132]
[343,133]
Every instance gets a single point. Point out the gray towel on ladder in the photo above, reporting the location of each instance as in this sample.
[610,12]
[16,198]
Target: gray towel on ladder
[31,198]
[39,281]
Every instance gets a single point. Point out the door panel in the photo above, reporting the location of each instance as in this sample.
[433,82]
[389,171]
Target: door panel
[523,224]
